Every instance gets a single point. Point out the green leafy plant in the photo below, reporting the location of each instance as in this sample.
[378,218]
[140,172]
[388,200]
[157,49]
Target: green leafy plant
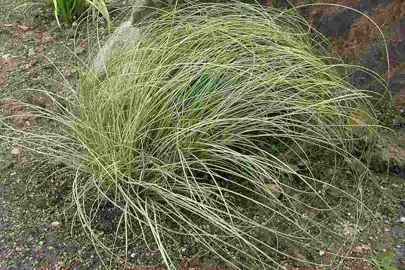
[68,9]
[386,261]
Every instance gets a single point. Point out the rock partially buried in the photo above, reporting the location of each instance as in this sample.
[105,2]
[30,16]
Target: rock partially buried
[31,52]
[125,37]
[55,225]
[16,150]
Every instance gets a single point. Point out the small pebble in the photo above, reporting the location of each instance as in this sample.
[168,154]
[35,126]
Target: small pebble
[39,255]
[156,255]
[31,52]
[16,150]
[402,220]
[79,50]
[55,224]
[242,255]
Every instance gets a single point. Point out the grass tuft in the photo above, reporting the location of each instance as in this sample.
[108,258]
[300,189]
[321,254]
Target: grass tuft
[227,127]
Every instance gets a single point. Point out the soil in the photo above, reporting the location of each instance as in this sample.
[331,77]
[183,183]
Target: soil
[35,221]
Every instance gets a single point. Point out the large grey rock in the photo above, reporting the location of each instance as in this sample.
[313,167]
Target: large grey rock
[125,38]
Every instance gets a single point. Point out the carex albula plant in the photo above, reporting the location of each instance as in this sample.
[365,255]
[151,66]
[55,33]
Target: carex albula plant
[228,126]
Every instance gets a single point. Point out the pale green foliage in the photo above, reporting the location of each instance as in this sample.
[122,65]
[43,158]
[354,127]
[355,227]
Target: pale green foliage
[144,8]
[201,100]
[190,128]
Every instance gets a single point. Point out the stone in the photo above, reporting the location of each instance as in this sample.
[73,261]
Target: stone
[79,50]
[400,254]
[55,224]
[31,52]
[16,150]
[398,234]
[125,37]
[337,25]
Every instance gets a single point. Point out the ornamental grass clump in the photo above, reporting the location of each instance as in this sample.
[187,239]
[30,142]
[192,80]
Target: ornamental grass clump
[227,127]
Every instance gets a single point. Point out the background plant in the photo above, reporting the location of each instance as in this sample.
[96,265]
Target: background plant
[386,261]
[69,9]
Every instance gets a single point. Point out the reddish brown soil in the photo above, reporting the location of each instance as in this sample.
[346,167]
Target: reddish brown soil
[400,99]
[23,31]
[7,66]
[396,152]
[39,100]
[393,71]
[23,119]
[363,32]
